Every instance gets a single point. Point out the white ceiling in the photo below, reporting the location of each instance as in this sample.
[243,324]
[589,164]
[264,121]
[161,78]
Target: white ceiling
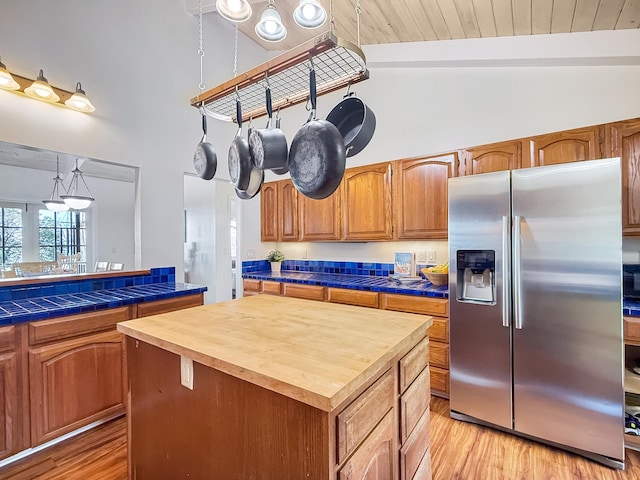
[397,21]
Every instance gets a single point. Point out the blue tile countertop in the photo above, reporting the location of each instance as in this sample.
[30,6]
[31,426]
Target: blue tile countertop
[353,275]
[631,308]
[47,301]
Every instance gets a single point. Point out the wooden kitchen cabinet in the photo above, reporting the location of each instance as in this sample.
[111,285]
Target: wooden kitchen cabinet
[251,286]
[623,139]
[366,202]
[420,199]
[567,146]
[10,420]
[169,305]
[321,220]
[361,298]
[279,212]
[491,158]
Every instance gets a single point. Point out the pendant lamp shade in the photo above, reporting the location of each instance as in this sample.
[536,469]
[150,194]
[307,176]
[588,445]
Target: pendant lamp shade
[79,101]
[234,10]
[270,27]
[6,79]
[73,198]
[310,14]
[55,203]
[41,90]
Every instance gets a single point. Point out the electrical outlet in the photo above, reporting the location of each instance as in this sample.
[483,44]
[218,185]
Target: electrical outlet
[304,253]
[186,372]
[421,256]
[431,256]
[251,253]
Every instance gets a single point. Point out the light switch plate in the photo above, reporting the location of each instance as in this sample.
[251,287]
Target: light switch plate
[421,256]
[431,256]
[186,372]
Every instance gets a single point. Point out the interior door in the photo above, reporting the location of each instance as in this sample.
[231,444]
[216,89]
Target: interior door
[568,324]
[480,339]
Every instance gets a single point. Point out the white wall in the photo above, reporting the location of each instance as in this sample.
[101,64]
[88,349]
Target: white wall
[110,218]
[137,61]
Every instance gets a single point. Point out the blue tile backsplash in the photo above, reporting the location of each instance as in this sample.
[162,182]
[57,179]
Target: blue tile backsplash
[52,299]
[321,266]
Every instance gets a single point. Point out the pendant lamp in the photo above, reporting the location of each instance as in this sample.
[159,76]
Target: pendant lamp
[6,79]
[54,203]
[310,14]
[79,101]
[234,10]
[270,27]
[41,90]
[73,198]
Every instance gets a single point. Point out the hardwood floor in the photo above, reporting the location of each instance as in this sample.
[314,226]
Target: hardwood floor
[459,451]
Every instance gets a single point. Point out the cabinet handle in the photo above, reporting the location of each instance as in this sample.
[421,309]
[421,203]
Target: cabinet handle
[506,272]
[517,274]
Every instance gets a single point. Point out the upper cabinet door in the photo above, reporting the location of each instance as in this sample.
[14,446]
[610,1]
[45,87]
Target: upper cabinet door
[269,212]
[420,195]
[366,202]
[287,211]
[624,142]
[320,219]
[565,147]
[491,158]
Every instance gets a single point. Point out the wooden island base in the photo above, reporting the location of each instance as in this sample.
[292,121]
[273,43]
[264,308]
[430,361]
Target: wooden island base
[249,426]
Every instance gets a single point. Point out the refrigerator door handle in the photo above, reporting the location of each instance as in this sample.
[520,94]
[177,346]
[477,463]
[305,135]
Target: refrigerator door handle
[506,272]
[517,276]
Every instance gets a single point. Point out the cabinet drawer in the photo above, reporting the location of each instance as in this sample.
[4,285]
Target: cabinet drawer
[44,331]
[424,469]
[439,379]
[7,338]
[413,403]
[273,288]
[439,354]
[415,448]
[169,305]
[439,330]
[360,417]
[250,285]
[632,329]
[413,363]
[413,304]
[310,292]
[353,297]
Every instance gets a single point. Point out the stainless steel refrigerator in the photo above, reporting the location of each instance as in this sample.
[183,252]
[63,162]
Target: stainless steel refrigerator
[535,299]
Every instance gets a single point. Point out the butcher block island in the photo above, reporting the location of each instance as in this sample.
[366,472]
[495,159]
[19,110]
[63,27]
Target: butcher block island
[282,389]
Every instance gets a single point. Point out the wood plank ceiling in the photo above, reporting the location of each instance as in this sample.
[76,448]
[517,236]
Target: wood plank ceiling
[394,21]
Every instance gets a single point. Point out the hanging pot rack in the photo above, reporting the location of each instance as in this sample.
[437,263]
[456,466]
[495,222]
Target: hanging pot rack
[337,62]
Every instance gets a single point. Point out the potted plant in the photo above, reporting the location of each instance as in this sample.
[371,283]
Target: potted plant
[275,257]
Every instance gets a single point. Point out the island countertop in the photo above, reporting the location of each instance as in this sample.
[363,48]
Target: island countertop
[318,354]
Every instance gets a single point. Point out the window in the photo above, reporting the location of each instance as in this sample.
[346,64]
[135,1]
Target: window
[62,233]
[11,238]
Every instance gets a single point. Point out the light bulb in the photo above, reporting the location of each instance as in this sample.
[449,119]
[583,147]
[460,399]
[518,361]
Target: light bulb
[43,92]
[234,5]
[270,26]
[4,80]
[308,11]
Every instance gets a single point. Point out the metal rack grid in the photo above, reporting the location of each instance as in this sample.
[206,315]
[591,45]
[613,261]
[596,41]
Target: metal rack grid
[337,63]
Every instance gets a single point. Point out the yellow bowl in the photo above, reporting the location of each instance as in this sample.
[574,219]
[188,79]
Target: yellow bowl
[436,278]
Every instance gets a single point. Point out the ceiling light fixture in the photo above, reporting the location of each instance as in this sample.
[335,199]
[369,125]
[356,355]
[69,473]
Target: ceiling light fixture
[310,14]
[72,198]
[234,10]
[79,101]
[270,27]
[6,80]
[54,203]
[41,90]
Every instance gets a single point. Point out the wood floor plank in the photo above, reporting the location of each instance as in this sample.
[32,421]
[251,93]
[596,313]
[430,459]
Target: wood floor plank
[459,451]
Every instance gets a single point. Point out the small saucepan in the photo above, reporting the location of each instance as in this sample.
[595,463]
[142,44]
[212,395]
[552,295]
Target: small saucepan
[205,160]
[268,146]
[239,158]
[317,155]
[355,121]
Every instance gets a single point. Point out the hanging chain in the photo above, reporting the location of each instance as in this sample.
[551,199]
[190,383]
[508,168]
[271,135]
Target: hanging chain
[235,55]
[201,48]
[358,12]
[331,25]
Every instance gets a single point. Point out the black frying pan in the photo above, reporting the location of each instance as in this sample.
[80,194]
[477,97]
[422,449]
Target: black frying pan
[239,158]
[269,146]
[205,160]
[317,155]
[355,121]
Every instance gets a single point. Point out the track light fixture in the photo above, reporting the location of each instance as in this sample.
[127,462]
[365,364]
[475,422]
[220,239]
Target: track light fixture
[270,27]
[310,14]
[234,10]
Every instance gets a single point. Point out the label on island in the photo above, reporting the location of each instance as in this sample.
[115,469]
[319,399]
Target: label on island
[404,264]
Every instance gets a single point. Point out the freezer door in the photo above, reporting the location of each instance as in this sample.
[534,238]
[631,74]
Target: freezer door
[480,344]
[568,349]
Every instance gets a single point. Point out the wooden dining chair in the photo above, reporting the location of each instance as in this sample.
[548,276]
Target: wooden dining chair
[101,266]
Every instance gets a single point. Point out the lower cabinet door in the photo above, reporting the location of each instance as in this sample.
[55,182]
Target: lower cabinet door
[373,460]
[75,383]
[9,423]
